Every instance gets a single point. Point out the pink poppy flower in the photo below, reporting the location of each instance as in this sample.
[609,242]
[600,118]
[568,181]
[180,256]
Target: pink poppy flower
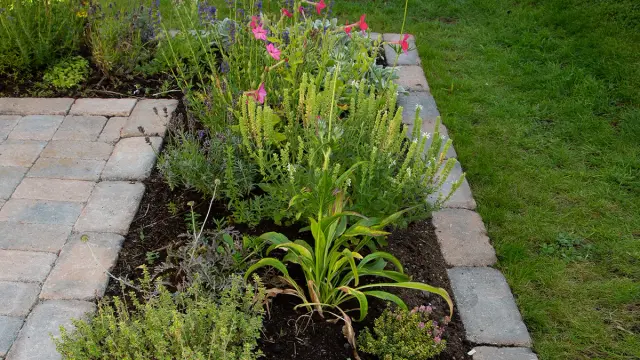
[273,51]
[259,32]
[363,24]
[254,22]
[320,5]
[404,43]
[286,13]
[259,95]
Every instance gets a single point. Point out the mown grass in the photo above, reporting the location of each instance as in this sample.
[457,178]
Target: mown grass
[542,100]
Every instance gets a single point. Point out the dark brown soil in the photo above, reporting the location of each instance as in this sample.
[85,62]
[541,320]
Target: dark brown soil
[287,334]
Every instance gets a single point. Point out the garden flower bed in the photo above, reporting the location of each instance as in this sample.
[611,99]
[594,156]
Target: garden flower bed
[289,213]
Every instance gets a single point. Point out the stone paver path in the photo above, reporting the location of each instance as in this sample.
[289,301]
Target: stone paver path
[69,189]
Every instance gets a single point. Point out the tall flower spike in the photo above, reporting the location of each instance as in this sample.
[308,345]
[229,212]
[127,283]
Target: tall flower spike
[273,51]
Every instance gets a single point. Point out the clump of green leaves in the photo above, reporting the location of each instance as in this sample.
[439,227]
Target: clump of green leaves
[68,73]
[120,34]
[404,335]
[184,325]
[333,266]
[34,34]
[568,247]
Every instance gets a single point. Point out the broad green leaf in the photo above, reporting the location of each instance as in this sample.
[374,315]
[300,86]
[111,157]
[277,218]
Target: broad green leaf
[357,230]
[274,238]
[381,255]
[388,297]
[417,286]
[267,262]
[362,300]
[395,216]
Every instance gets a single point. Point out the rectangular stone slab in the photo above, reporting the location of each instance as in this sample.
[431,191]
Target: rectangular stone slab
[504,353]
[132,159]
[40,211]
[74,169]
[111,207]
[104,107]
[80,272]
[462,237]
[17,298]
[54,189]
[33,237]
[21,153]
[10,177]
[84,150]
[25,266]
[36,127]
[9,329]
[487,308]
[34,341]
[35,106]
[151,116]
[83,128]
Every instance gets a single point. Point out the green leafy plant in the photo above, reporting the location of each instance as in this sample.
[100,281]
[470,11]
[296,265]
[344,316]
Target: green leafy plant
[568,247]
[404,335]
[121,34]
[35,34]
[333,267]
[184,325]
[68,73]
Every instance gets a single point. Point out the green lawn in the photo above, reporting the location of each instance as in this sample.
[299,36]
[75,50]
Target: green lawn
[542,99]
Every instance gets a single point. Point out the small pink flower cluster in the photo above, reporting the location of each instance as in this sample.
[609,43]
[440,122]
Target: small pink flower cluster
[438,331]
[362,24]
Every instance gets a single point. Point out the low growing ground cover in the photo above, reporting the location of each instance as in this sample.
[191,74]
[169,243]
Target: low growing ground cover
[541,98]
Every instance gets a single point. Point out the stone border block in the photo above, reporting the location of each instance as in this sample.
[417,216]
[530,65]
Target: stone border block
[111,207]
[461,198]
[411,78]
[80,128]
[132,159]
[487,308]
[463,239]
[80,272]
[150,115]
[505,353]
[9,329]
[54,189]
[33,237]
[25,266]
[17,298]
[34,340]
[36,127]
[103,107]
[35,106]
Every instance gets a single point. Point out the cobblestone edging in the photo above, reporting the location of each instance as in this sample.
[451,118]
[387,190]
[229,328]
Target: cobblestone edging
[483,298]
[70,173]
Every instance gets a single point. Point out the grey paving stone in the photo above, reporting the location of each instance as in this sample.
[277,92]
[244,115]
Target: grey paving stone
[36,127]
[34,340]
[74,169]
[7,123]
[84,150]
[111,131]
[20,152]
[33,237]
[54,189]
[17,298]
[25,266]
[462,237]
[505,353]
[84,128]
[429,128]
[487,308]
[35,106]
[2,203]
[143,116]
[40,211]
[132,159]
[9,329]
[410,58]
[412,78]
[80,272]
[105,107]
[111,207]
[461,198]
[409,102]
[10,177]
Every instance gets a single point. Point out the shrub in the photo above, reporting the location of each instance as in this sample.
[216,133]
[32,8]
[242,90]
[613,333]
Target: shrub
[68,73]
[404,335]
[121,35]
[34,34]
[185,325]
